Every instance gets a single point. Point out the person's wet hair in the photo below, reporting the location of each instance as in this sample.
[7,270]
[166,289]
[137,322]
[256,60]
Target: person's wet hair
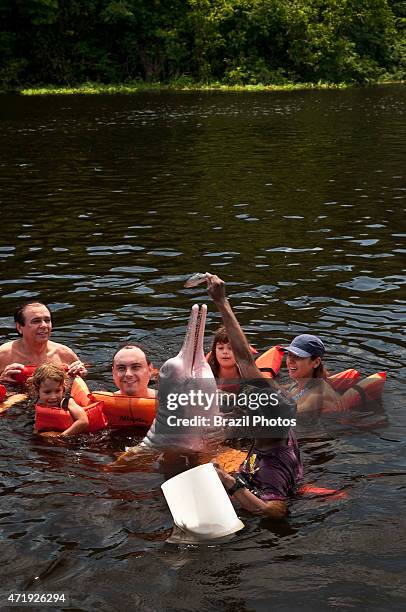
[220,337]
[320,371]
[19,316]
[44,371]
[131,346]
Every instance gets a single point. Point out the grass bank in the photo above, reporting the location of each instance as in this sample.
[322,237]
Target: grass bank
[182,84]
[132,88]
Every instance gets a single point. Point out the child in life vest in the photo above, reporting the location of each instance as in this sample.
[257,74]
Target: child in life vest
[47,386]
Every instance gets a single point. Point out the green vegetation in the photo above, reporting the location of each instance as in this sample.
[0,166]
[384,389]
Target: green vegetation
[130,88]
[187,44]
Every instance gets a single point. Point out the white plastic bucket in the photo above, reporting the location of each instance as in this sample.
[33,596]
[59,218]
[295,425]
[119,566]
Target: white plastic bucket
[199,503]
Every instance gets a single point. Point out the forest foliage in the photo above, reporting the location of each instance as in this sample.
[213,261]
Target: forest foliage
[233,42]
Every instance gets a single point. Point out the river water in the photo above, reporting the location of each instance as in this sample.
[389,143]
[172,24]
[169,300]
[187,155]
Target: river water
[297,200]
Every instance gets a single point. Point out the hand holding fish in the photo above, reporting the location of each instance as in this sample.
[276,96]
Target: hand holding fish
[216,288]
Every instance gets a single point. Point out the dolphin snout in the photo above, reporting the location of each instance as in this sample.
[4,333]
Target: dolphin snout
[186,373]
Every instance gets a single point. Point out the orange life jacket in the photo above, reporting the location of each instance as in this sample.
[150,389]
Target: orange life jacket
[270,362]
[125,411]
[24,374]
[368,389]
[344,380]
[120,410]
[3,393]
[58,419]
[28,370]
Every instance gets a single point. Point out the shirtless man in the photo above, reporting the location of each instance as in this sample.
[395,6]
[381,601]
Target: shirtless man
[34,325]
[132,371]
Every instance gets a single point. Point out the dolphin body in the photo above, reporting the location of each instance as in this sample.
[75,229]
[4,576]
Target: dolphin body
[187,373]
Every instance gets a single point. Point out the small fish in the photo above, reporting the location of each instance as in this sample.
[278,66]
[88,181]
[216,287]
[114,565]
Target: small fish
[195,280]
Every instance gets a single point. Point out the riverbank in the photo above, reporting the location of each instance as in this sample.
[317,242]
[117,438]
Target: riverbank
[181,85]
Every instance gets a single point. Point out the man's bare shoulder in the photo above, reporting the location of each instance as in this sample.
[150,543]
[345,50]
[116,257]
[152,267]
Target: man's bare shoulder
[7,352]
[7,346]
[62,351]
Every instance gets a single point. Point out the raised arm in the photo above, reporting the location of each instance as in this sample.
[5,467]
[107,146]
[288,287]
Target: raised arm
[237,339]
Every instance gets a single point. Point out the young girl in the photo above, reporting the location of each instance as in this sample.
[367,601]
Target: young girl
[47,386]
[223,363]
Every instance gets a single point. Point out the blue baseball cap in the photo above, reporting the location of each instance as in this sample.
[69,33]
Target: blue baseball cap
[306,345]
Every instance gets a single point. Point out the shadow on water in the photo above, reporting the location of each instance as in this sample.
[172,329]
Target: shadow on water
[297,200]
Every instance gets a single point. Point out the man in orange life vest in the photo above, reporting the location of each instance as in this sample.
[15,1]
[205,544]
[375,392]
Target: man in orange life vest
[34,326]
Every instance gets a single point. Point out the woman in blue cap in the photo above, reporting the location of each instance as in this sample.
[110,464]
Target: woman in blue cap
[310,388]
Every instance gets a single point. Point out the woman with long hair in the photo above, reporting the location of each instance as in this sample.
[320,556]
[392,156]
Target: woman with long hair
[310,388]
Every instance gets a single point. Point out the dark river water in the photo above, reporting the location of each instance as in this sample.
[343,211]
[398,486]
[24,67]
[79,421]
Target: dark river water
[297,200]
